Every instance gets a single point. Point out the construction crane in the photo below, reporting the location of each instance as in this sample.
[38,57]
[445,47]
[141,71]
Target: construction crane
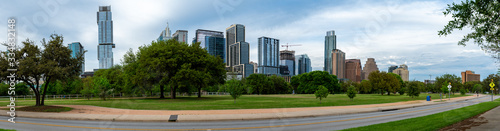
[287,45]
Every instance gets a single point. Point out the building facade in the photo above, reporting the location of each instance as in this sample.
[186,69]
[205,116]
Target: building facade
[76,50]
[353,70]
[391,68]
[470,76]
[287,58]
[240,53]
[370,66]
[338,63]
[330,45]
[181,36]
[304,64]
[234,33]
[268,55]
[165,34]
[403,72]
[212,41]
[255,65]
[105,32]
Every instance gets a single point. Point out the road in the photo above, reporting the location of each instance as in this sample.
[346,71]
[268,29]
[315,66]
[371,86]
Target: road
[310,124]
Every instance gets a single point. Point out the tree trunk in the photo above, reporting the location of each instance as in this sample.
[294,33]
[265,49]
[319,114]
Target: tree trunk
[44,92]
[162,96]
[172,92]
[234,101]
[388,93]
[199,92]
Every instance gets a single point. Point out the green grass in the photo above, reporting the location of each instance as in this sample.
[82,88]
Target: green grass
[434,121]
[7,130]
[226,102]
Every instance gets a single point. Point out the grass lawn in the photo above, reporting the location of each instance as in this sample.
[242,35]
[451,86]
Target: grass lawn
[44,109]
[6,130]
[226,102]
[432,122]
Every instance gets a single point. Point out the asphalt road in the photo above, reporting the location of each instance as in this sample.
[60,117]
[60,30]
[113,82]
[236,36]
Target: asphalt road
[305,124]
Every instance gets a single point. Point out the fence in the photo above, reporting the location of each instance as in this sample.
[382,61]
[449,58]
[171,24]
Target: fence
[79,96]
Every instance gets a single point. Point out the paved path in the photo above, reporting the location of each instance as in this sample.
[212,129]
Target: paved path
[491,120]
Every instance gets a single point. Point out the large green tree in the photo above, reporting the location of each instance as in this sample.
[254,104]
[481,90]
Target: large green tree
[258,82]
[482,17]
[486,82]
[444,80]
[384,82]
[309,82]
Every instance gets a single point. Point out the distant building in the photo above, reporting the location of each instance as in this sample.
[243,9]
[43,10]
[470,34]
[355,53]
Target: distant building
[429,81]
[392,68]
[268,55]
[330,45]
[287,58]
[234,33]
[165,34]
[470,76]
[240,58]
[338,63]
[212,41]
[181,36]
[76,50]
[304,64]
[403,72]
[370,66]
[255,65]
[105,33]
[353,70]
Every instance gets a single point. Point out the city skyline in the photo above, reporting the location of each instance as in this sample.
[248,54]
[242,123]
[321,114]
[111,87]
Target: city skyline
[392,33]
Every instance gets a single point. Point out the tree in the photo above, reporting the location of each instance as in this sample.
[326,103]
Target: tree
[444,80]
[102,87]
[444,88]
[321,93]
[235,88]
[401,83]
[366,86]
[486,82]
[462,91]
[309,82]
[482,17]
[478,88]
[280,85]
[88,89]
[384,82]
[414,89]
[258,82]
[114,75]
[351,92]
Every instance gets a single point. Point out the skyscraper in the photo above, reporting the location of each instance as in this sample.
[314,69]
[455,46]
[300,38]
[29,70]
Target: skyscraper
[165,34]
[234,33]
[403,72]
[268,55]
[181,36]
[330,44]
[370,66]
[106,45]
[287,58]
[392,68]
[338,63]
[353,70]
[304,64]
[212,41]
[240,52]
[77,49]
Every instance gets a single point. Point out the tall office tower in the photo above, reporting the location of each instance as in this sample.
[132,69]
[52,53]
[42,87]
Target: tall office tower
[403,72]
[287,58]
[240,52]
[76,50]
[106,45]
[304,64]
[392,68]
[181,36]
[268,55]
[255,65]
[470,76]
[353,70]
[338,63]
[370,66]
[165,34]
[330,44]
[234,33]
[212,41]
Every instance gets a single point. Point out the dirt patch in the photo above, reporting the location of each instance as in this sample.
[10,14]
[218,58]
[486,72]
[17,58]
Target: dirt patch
[44,109]
[467,123]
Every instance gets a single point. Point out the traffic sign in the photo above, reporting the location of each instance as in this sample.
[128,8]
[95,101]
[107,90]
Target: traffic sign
[492,85]
[449,86]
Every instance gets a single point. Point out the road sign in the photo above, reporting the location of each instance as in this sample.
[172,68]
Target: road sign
[492,85]
[449,86]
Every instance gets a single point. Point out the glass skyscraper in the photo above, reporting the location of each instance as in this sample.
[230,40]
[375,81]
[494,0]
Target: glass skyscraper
[268,55]
[106,45]
[212,41]
[165,34]
[304,64]
[234,33]
[330,44]
[77,49]
[287,58]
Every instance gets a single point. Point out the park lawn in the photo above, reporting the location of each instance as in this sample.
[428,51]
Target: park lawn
[432,122]
[214,102]
[7,130]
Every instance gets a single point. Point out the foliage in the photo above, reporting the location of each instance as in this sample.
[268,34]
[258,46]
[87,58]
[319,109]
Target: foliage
[102,87]
[365,87]
[444,88]
[346,84]
[20,88]
[321,93]
[88,88]
[444,80]
[486,82]
[482,17]
[235,88]
[414,89]
[308,82]
[258,82]
[402,83]
[462,91]
[351,92]
[478,88]
[384,81]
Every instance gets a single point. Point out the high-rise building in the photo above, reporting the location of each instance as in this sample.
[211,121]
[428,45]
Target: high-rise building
[470,76]
[165,34]
[105,32]
[234,33]
[255,65]
[370,66]
[392,68]
[353,70]
[181,36]
[268,55]
[330,44]
[403,72]
[287,58]
[338,63]
[304,64]
[240,52]
[212,41]
[76,50]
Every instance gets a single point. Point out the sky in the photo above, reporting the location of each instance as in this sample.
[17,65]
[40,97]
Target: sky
[394,32]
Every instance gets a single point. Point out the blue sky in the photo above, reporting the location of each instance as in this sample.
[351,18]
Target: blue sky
[392,32]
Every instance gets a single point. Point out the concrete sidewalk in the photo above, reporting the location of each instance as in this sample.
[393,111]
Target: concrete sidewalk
[83,112]
[491,121]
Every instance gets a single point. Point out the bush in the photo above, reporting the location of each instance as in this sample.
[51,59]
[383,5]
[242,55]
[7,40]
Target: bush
[321,93]
[462,91]
[351,92]
[414,89]
[235,88]
[402,90]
